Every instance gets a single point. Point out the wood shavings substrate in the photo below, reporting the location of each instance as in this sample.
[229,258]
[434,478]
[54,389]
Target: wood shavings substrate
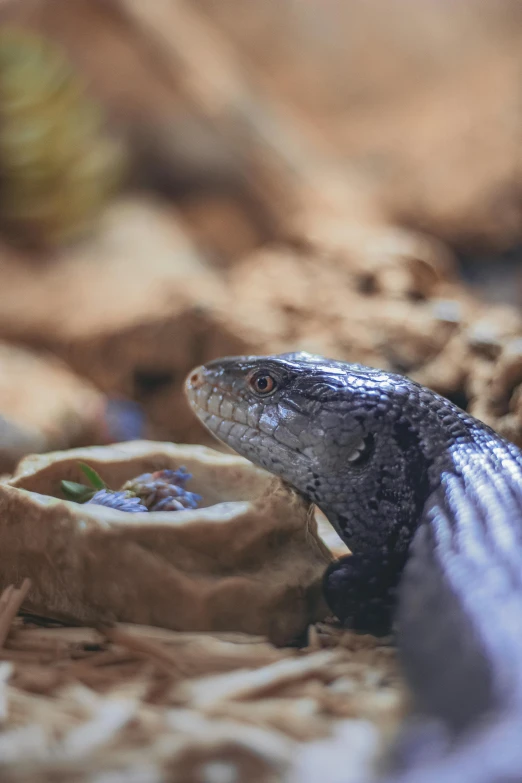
[137,703]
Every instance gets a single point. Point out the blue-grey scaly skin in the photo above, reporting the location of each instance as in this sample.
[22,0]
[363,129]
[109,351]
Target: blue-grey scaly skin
[429,500]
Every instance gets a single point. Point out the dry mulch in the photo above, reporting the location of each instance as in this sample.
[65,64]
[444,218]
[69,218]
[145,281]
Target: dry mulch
[138,703]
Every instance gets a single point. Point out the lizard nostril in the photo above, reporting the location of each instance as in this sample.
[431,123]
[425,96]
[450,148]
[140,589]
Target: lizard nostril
[195,378]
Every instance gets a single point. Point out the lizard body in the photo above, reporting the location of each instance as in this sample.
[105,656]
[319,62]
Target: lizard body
[429,501]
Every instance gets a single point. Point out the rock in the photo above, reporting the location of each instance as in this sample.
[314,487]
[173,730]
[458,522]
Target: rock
[387,298]
[418,114]
[44,406]
[132,310]
[221,226]
[248,560]
[499,392]
[363,295]
[418,110]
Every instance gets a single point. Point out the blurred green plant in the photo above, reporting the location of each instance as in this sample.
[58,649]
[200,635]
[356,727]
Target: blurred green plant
[59,165]
[81,493]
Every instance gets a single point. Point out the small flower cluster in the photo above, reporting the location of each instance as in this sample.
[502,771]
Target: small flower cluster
[164,490]
[122,501]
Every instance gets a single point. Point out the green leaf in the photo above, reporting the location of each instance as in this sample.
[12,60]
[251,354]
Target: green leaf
[90,474]
[79,493]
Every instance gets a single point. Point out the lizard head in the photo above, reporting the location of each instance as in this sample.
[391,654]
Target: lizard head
[336,432]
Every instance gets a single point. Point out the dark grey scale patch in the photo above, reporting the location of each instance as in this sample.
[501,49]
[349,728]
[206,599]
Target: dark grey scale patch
[295,406]
[361,588]
[399,497]
[411,444]
[312,492]
[346,527]
[323,392]
[406,437]
[385,478]
[317,480]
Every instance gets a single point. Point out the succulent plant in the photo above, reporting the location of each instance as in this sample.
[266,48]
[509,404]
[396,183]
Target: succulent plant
[58,164]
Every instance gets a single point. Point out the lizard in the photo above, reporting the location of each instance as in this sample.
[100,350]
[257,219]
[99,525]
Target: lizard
[429,501]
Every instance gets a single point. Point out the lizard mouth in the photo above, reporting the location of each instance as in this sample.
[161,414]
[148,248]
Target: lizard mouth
[215,406]
[208,398]
[219,409]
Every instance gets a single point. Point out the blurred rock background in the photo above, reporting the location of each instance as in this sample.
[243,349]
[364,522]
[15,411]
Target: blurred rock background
[182,180]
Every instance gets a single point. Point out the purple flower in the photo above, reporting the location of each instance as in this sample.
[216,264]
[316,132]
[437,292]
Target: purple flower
[164,490]
[122,501]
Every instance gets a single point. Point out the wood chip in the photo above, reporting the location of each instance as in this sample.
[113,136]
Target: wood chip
[10,602]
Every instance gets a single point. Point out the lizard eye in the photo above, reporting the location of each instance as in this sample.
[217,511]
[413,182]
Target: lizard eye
[262,383]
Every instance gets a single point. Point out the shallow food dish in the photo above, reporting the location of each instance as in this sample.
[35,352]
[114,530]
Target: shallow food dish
[249,559]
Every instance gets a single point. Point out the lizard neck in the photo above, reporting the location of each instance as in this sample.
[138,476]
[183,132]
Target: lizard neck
[381,509]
